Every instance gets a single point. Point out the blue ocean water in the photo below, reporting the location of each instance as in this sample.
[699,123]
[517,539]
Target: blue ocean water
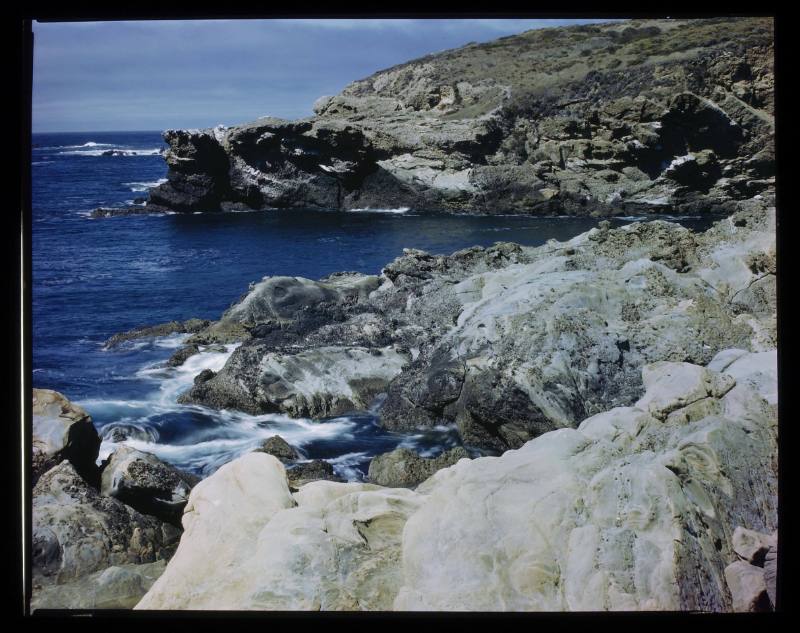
[92,278]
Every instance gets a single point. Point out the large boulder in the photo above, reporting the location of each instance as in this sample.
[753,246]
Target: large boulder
[77,531]
[145,483]
[316,383]
[626,512]
[63,430]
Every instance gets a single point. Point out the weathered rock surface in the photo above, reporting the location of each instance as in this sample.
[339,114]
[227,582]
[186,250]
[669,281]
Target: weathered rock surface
[78,531]
[619,118]
[508,342]
[145,483]
[117,587]
[628,511]
[62,430]
[403,468]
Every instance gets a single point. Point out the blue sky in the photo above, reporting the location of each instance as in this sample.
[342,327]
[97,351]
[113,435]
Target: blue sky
[154,75]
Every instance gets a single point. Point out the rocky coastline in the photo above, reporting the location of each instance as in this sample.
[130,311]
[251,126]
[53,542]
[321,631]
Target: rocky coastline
[625,378]
[614,396]
[636,117]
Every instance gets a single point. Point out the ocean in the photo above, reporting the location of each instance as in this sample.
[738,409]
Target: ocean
[92,278]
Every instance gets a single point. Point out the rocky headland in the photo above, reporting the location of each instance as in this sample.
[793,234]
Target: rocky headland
[637,117]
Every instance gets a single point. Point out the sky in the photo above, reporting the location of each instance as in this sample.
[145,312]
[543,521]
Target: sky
[155,75]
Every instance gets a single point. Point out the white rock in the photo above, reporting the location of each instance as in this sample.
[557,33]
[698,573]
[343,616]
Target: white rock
[627,512]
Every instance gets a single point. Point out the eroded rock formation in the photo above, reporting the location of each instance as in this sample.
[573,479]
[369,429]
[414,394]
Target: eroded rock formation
[618,118]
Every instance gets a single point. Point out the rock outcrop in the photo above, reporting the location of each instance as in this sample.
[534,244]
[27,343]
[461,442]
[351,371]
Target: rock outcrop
[507,342]
[62,430]
[78,531]
[634,509]
[619,118]
[147,484]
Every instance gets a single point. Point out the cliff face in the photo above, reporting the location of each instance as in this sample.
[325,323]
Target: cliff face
[636,116]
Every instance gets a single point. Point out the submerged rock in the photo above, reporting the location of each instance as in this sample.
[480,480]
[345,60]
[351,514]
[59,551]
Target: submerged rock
[63,430]
[625,512]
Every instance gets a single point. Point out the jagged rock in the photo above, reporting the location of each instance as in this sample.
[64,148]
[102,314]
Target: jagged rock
[747,586]
[77,531]
[179,357]
[750,546]
[162,329]
[63,430]
[532,124]
[147,484]
[508,342]
[117,587]
[626,512]
[403,468]
[280,448]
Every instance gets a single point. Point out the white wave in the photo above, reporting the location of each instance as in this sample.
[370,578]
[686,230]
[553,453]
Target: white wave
[41,162]
[176,380]
[144,186]
[124,152]
[632,218]
[397,211]
[346,465]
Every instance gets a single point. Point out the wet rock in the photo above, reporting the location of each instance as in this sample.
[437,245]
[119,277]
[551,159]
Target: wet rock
[204,376]
[179,357]
[162,329]
[63,430]
[147,484]
[280,448]
[403,468]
